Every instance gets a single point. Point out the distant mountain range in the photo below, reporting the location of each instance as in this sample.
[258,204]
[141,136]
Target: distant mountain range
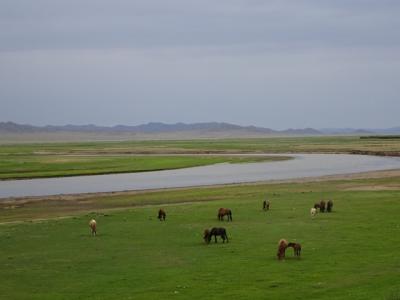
[209,128]
[392,130]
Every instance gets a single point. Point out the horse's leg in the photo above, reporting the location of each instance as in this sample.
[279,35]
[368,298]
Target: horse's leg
[215,236]
[227,240]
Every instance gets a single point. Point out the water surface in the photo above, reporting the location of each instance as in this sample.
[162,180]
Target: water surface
[303,165]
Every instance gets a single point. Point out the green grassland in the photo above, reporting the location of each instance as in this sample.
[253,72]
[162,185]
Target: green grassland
[36,166]
[68,159]
[327,144]
[351,253]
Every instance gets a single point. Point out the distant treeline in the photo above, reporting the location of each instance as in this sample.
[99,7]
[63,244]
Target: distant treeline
[381,137]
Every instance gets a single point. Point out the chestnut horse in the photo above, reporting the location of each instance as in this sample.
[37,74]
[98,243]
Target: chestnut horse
[224,212]
[296,247]
[161,215]
[93,226]
[282,245]
[214,232]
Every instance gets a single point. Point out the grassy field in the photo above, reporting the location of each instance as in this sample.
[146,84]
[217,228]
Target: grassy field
[68,159]
[268,145]
[351,253]
[37,166]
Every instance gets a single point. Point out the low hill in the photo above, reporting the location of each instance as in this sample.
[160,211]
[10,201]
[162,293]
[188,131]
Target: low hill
[13,132]
[154,128]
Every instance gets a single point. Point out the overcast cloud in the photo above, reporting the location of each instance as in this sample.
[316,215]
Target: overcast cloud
[278,64]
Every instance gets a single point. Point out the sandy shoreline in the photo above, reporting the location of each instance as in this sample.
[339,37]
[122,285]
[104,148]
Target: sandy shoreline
[86,196]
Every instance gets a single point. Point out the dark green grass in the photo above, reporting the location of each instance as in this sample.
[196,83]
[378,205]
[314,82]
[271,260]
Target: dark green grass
[351,253]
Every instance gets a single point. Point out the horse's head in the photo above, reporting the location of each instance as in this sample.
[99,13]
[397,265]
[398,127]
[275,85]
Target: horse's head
[207,236]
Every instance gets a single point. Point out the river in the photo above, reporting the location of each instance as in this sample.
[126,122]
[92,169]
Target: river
[303,165]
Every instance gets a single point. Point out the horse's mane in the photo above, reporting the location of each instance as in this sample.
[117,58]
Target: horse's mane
[282,241]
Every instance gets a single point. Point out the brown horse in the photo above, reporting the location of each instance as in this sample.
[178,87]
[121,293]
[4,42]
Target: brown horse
[224,212]
[329,206]
[296,247]
[266,205]
[93,226]
[282,245]
[214,232]
[161,215]
[322,206]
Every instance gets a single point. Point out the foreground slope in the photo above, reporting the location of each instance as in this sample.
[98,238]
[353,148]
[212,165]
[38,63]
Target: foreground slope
[351,253]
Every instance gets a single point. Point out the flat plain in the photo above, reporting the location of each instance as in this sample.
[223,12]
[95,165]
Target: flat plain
[35,160]
[47,252]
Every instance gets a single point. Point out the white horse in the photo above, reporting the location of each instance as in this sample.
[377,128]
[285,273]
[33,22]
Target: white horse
[313,212]
[93,225]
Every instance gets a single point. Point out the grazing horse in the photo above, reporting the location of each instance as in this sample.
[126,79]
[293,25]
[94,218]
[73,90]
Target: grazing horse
[93,226]
[329,206]
[322,206]
[161,215]
[214,232]
[313,211]
[224,212]
[296,247]
[282,245]
[266,205]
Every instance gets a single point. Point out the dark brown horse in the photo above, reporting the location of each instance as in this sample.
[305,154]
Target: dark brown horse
[329,206]
[266,205]
[296,247]
[162,215]
[282,245]
[224,212]
[322,206]
[214,232]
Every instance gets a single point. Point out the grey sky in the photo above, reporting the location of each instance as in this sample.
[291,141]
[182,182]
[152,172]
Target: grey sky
[278,64]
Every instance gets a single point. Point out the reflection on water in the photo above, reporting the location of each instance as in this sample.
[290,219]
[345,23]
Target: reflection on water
[304,165]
